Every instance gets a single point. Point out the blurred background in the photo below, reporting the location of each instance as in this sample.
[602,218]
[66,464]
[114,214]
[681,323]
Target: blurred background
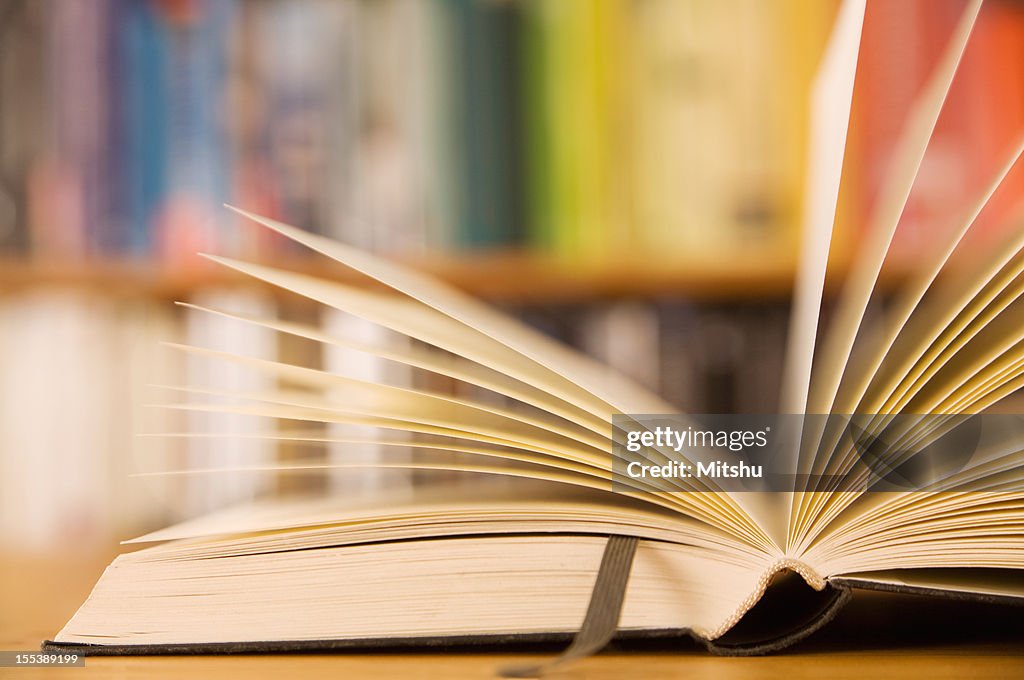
[625,175]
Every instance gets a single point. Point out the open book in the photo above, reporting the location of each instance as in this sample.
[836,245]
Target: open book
[519,560]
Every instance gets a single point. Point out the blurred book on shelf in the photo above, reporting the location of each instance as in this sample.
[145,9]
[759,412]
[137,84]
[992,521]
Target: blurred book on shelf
[74,371]
[583,128]
[202,329]
[983,115]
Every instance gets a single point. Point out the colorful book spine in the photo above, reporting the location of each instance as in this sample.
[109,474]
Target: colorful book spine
[901,47]
[69,187]
[202,329]
[998,113]
[717,159]
[141,109]
[190,214]
[398,174]
[799,33]
[982,118]
[538,147]
[573,71]
[343,361]
[484,64]
[309,80]
[22,116]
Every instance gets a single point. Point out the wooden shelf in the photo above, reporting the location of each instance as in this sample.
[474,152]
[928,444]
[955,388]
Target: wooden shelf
[499,276]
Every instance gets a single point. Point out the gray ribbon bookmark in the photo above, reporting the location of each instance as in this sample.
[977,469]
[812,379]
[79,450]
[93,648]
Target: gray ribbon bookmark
[602,619]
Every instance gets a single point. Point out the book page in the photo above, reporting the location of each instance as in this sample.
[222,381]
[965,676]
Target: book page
[831,99]
[622,395]
[452,366]
[901,174]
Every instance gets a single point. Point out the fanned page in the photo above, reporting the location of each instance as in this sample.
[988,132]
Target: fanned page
[556,431]
[867,264]
[948,346]
[831,100]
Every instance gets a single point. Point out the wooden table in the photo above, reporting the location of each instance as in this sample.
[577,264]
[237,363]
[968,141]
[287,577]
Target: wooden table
[874,638]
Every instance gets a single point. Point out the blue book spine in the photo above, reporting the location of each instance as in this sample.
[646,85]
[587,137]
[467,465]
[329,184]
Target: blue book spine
[197,161]
[141,112]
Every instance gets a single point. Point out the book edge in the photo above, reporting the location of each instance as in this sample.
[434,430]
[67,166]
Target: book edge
[840,595]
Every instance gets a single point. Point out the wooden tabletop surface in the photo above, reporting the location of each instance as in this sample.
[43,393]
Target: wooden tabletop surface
[873,638]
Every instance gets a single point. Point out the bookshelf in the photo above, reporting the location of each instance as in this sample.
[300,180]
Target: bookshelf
[502,276]
[497,275]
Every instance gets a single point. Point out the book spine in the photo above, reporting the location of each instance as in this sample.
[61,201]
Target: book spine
[306,55]
[535,57]
[398,164]
[806,25]
[253,180]
[901,45]
[197,169]
[716,163]
[69,187]
[625,336]
[677,355]
[22,115]
[138,360]
[140,114]
[439,160]
[485,39]
[56,348]
[572,126]
[997,113]
[208,492]
[354,364]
